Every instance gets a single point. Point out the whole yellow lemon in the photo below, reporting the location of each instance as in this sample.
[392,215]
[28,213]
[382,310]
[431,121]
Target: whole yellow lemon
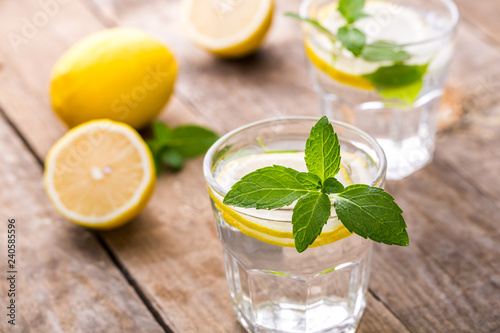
[121,74]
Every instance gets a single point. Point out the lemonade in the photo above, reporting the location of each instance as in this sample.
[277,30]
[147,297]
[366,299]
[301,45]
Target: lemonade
[392,85]
[273,287]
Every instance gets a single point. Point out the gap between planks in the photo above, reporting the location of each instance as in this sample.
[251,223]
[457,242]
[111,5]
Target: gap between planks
[114,259]
[109,22]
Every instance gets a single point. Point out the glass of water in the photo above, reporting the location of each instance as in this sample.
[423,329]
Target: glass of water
[392,87]
[273,287]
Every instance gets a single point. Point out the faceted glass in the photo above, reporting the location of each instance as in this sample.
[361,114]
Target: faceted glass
[274,288]
[385,97]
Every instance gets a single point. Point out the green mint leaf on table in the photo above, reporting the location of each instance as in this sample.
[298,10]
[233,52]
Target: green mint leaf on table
[331,186]
[371,213]
[367,211]
[322,153]
[352,10]
[192,140]
[266,188]
[353,39]
[313,22]
[384,51]
[309,216]
[161,132]
[170,146]
[155,148]
[309,181]
[172,158]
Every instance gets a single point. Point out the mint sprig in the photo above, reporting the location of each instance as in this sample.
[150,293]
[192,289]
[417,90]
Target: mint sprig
[314,23]
[171,146]
[410,79]
[352,10]
[367,211]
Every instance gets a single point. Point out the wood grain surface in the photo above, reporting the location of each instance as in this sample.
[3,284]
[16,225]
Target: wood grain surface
[164,272]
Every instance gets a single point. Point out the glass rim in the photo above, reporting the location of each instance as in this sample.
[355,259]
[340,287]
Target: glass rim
[450,5]
[207,160]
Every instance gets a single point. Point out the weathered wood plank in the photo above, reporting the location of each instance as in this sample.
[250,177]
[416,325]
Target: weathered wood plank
[179,261]
[451,258]
[484,16]
[66,282]
[172,250]
[468,70]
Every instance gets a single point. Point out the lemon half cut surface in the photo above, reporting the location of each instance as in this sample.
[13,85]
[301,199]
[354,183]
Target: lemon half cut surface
[227,28]
[100,174]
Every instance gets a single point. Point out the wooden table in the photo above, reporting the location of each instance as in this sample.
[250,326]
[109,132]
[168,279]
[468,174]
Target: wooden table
[163,272]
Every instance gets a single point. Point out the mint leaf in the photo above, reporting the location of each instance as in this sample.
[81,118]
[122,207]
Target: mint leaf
[155,147]
[191,140]
[161,132]
[371,213]
[322,153]
[309,216]
[407,94]
[353,39]
[269,187]
[400,81]
[384,51]
[332,185]
[367,211]
[351,10]
[396,75]
[309,180]
[313,22]
[172,158]
[171,146]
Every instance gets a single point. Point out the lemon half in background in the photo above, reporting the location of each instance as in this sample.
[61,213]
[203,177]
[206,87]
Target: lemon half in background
[229,29]
[100,174]
[120,74]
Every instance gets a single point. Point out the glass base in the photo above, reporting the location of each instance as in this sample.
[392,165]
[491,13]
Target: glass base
[279,318]
[405,158]
[278,290]
[406,134]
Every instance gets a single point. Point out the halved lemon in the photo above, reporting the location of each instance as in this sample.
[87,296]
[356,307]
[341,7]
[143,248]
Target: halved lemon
[100,174]
[227,28]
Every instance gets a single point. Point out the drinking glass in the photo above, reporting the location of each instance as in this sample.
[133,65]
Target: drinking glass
[389,99]
[273,287]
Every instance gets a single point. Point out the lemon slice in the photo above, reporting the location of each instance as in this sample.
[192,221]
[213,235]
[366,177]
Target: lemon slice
[404,26]
[227,28]
[100,174]
[274,226]
[275,232]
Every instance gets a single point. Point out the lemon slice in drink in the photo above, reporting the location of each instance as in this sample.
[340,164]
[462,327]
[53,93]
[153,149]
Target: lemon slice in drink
[100,174]
[386,21]
[227,28]
[273,226]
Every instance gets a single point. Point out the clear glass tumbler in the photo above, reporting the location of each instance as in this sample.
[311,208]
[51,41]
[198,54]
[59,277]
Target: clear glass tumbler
[391,90]
[273,287]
